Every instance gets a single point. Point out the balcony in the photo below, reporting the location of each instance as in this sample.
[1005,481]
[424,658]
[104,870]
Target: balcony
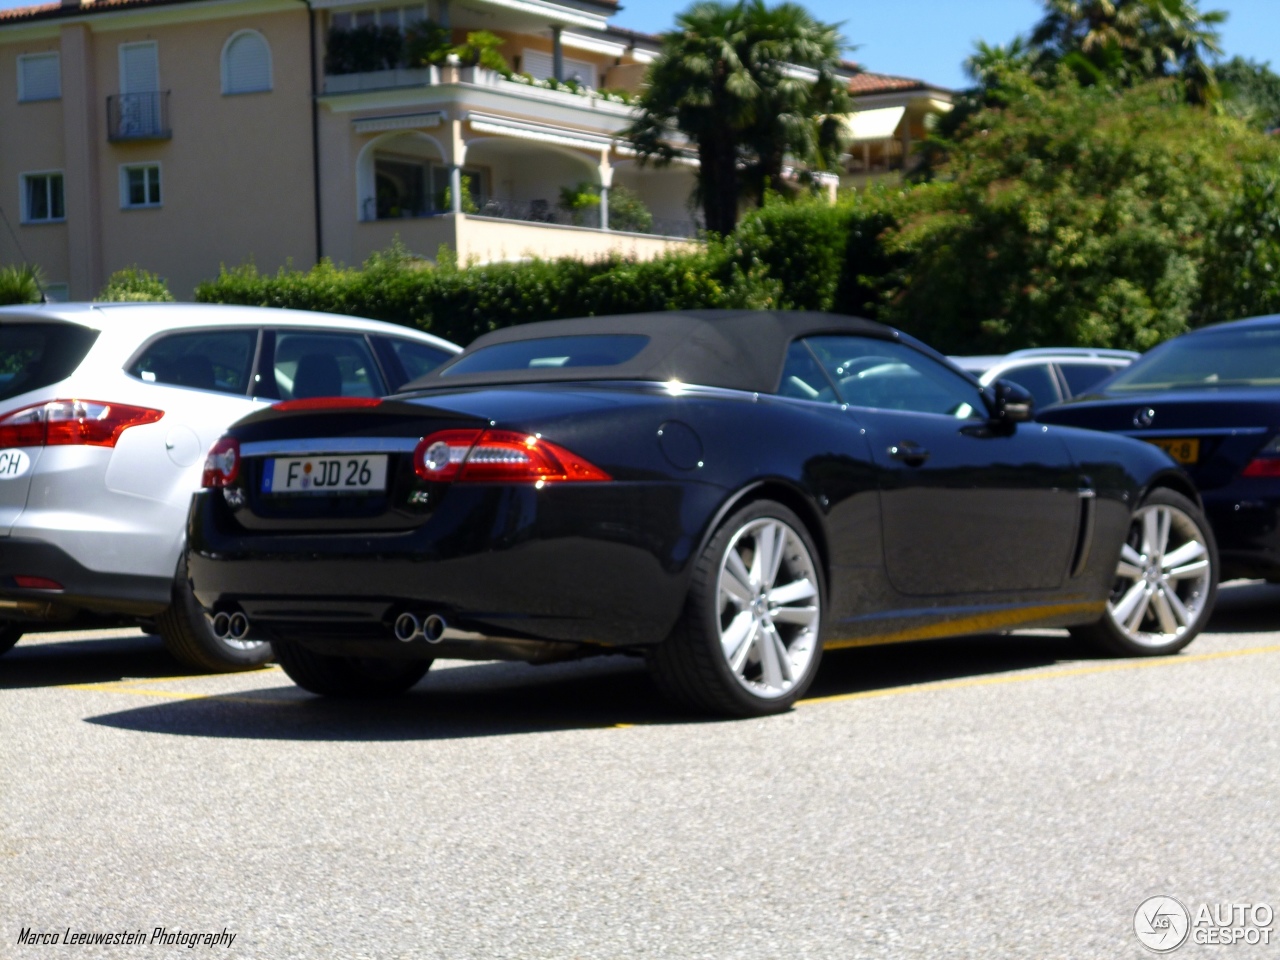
[138,117]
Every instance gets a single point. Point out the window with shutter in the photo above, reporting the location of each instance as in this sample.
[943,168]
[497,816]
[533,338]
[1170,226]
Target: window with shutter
[39,77]
[246,63]
[541,66]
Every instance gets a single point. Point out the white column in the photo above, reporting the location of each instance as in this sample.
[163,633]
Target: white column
[606,184]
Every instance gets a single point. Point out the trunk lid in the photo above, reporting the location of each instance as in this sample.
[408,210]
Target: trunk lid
[1213,433]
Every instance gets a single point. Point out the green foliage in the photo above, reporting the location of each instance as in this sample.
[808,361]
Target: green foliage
[582,203]
[726,80]
[1251,91]
[627,212]
[468,204]
[136,285]
[427,43]
[462,303]
[1071,216]
[481,50]
[20,283]
[1242,263]
[363,49]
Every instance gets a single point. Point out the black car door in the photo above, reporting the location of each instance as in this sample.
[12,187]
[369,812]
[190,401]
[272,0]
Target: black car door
[964,508]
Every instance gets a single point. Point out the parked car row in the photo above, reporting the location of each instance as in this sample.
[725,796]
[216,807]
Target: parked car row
[724,493]
[1049,374]
[108,413]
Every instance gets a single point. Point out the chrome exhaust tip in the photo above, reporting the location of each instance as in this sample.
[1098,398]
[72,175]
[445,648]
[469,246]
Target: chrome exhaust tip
[433,628]
[238,627]
[407,627]
[221,625]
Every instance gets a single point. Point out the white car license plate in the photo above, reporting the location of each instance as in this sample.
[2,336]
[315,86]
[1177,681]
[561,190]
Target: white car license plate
[326,474]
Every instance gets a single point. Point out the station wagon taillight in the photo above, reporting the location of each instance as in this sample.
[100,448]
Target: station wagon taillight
[499,456]
[222,465]
[92,423]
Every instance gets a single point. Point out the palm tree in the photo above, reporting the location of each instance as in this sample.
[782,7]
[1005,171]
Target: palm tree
[750,88]
[1127,41]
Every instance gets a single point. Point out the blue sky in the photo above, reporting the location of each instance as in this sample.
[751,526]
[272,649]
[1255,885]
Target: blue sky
[929,39]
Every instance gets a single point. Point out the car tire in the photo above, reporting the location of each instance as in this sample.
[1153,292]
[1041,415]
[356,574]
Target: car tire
[1166,581]
[351,677]
[749,642]
[10,633]
[188,635]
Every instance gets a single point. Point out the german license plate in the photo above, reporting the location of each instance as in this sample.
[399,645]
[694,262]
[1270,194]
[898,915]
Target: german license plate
[322,474]
[1180,449]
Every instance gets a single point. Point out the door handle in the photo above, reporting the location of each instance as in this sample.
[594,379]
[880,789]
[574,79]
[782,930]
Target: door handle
[913,455]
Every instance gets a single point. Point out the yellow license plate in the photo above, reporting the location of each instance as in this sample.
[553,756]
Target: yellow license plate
[1182,450]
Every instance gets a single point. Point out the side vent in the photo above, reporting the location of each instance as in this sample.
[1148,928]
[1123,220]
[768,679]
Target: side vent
[1084,533]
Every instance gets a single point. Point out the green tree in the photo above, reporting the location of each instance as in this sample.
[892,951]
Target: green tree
[753,88]
[1252,91]
[1128,41]
[1072,215]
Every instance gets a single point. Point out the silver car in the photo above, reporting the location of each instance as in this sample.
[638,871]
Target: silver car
[1050,374]
[106,414]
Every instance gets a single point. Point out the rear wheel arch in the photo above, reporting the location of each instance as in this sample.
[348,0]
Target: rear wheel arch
[1172,481]
[789,496]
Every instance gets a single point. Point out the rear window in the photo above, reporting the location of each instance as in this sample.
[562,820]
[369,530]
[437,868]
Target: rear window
[552,353]
[34,355]
[218,360]
[1235,358]
[1082,376]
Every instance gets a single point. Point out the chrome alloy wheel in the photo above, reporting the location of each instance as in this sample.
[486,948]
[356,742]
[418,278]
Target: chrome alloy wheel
[1163,578]
[769,608]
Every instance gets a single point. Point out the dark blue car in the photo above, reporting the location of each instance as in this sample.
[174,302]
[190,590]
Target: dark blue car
[1211,400]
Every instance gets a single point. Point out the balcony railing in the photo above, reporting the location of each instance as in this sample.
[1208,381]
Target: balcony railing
[138,116]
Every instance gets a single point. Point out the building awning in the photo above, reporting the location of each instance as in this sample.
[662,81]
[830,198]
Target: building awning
[879,124]
[528,130]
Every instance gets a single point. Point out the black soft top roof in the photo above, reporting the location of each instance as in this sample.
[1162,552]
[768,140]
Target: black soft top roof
[741,350]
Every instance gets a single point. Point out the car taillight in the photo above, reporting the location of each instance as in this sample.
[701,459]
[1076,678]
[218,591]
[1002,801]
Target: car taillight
[1266,462]
[499,456]
[222,465]
[93,423]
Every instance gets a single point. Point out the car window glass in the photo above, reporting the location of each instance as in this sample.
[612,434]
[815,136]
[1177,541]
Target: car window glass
[311,364]
[1081,376]
[802,378]
[34,355]
[598,350]
[202,360]
[1243,357]
[1037,379]
[893,376]
[417,358]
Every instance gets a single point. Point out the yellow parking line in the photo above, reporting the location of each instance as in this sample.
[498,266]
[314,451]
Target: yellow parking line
[1044,674]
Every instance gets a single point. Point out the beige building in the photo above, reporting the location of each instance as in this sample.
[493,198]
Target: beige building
[181,135]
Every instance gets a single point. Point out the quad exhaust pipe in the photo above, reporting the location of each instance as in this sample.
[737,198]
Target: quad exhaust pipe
[409,627]
[230,626]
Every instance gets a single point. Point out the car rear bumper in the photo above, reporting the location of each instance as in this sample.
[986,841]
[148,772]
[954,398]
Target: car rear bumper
[82,588]
[607,567]
[1247,528]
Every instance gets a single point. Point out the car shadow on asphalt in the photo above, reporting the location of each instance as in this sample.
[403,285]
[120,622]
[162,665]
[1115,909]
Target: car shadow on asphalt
[500,699]
[59,663]
[496,699]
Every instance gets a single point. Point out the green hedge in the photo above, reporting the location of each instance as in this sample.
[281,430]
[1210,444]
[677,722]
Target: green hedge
[462,303]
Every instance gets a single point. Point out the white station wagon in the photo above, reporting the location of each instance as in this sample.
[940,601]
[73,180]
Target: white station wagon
[106,413]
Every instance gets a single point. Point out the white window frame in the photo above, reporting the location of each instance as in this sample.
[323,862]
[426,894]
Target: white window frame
[390,16]
[124,185]
[226,78]
[22,195]
[48,54]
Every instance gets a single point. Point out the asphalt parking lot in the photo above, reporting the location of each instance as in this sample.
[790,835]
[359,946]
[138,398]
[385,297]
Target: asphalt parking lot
[985,797]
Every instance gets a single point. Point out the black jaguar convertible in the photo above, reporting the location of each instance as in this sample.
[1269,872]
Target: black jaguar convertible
[725,493]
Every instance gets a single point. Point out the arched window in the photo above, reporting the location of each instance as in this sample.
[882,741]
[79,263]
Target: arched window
[246,63]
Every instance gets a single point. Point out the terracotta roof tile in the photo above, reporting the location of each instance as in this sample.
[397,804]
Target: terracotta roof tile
[865,82]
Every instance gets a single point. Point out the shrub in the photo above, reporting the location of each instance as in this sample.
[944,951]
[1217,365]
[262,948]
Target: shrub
[136,285]
[627,212]
[20,283]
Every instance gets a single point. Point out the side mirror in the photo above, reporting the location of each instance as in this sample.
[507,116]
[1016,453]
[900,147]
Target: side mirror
[1010,403]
